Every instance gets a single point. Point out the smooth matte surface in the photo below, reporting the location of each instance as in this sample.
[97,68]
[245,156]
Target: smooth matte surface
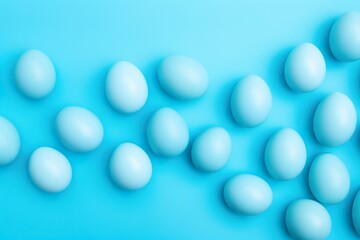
[231,39]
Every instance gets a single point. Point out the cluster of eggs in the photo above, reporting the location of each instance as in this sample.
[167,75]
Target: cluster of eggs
[184,78]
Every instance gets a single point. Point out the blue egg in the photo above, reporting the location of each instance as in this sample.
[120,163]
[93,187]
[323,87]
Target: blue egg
[9,141]
[329,179]
[334,120]
[247,194]
[356,212]
[251,101]
[183,77]
[79,129]
[126,87]
[285,154]
[35,74]
[344,37]
[307,219]
[130,166]
[167,133]
[49,169]
[305,68]
[211,150]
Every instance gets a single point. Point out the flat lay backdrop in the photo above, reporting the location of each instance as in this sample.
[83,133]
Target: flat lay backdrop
[231,39]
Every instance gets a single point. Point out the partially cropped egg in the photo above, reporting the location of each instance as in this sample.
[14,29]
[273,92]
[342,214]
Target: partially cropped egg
[35,74]
[356,212]
[167,133]
[126,87]
[9,141]
[334,120]
[251,101]
[285,154]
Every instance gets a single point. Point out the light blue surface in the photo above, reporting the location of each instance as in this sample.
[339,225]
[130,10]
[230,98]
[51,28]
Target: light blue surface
[231,39]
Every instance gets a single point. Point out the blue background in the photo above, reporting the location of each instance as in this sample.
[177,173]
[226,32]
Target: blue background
[231,39]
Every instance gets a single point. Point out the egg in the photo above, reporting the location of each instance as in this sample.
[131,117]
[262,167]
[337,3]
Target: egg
[79,129]
[183,77]
[50,170]
[334,120]
[35,74]
[126,88]
[285,154]
[305,68]
[307,219]
[251,101]
[329,179]
[344,37]
[211,149]
[9,141]
[356,212]
[247,194]
[167,133]
[130,166]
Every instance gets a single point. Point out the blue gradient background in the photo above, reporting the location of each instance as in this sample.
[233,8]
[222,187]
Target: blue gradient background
[231,39]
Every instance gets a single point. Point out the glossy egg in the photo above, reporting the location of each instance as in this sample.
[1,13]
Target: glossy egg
[130,166]
[211,149]
[126,88]
[329,179]
[285,154]
[167,133]
[356,212]
[247,194]
[307,219]
[251,101]
[79,129]
[9,141]
[183,77]
[305,68]
[335,120]
[344,37]
[35,74]
[49,169]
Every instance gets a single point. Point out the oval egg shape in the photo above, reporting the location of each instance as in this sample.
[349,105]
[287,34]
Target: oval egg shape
[130,167]
[305,68]
[50,170]
[183,77]
[334,120]
[167,133]
[251,101]
[285,154]
[211,149]
[344,37]
[329,179]
[35,74]
[356,212]
[307,219]
[79,129]
[126,88]
[9,141]
[247,194]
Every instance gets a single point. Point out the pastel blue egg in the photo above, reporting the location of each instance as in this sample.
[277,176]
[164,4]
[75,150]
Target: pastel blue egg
[211,149]
[334,120]
[183,77]
[251,101]
[247,194]
[130,166]
[35,74]
[305,68]
[307,220]
[167,133]
[285,154]
[329,179]
[126,87]
[79,129]
[356,212]
[50,170]
[344,37]
[9,141]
